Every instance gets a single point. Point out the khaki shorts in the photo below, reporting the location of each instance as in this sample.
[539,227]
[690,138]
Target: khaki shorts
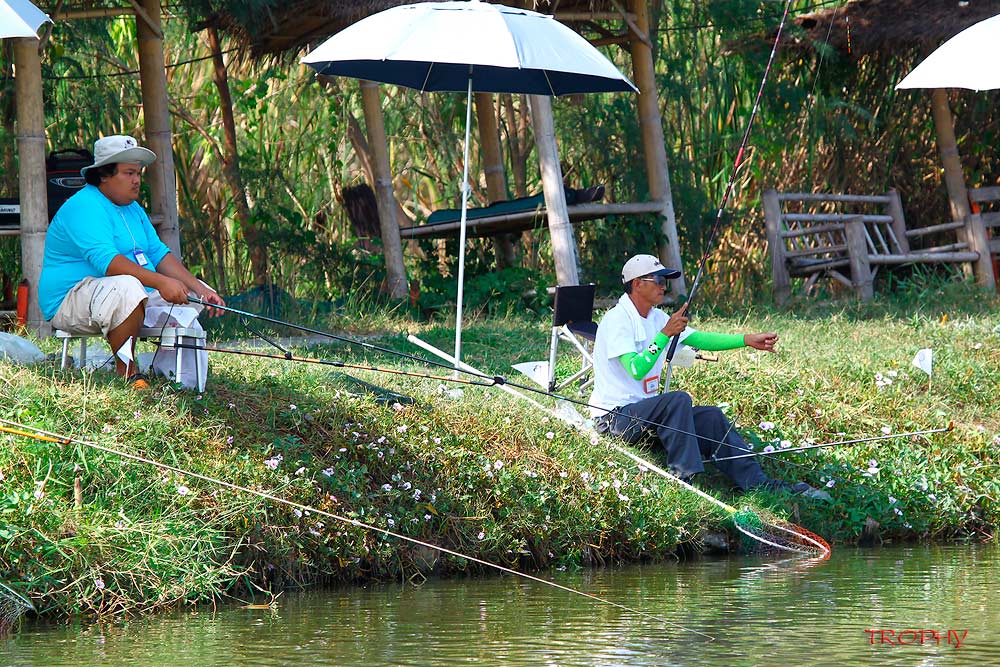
[98,305]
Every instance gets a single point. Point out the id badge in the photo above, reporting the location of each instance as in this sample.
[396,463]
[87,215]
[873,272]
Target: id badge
[651,385]
[140,258]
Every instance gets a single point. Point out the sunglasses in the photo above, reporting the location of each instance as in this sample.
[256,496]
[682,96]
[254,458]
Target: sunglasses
[659,280]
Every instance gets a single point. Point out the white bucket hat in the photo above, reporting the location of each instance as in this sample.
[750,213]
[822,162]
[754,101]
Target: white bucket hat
[119,148]
[646,265]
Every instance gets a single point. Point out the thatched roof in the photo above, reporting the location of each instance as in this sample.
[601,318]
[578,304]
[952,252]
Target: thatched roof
[264,28]
[276,27]
[896,25]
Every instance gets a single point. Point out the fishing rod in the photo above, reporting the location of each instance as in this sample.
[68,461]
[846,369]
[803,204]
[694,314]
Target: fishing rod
[15,428]
[288,356]
[481,379]
[325,334]
[737,163]
[764,531]
[854,441]
[769,532]
[484,379]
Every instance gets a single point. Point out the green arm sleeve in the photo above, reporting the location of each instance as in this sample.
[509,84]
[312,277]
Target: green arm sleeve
[714,342]
[638,364]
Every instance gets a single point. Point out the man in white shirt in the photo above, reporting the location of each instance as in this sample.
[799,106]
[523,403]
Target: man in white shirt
[628,361]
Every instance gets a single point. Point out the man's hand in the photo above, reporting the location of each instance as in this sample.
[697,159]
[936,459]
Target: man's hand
[209,296]
[761,341]
[172,290]
[677,322]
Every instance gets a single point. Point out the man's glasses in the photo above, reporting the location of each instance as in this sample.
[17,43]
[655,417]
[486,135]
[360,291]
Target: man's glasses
[659,280]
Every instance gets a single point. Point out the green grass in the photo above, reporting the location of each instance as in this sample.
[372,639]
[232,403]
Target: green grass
[496,479]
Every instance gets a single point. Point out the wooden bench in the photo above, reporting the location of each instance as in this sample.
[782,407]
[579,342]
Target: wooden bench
[848,238]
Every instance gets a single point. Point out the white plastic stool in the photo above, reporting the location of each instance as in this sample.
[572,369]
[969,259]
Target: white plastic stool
[168,337]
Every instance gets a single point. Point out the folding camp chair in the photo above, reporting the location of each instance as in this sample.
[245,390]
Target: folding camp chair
[572,321]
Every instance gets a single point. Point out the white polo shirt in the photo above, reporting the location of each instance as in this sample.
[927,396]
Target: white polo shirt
[623,330]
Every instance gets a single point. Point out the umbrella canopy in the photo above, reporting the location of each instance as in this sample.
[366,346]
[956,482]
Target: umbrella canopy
[20,18]
[468,46]
[967,60]
[440,46]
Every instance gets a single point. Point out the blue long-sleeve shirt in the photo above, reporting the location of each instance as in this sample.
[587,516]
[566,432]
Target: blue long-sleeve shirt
[86,234]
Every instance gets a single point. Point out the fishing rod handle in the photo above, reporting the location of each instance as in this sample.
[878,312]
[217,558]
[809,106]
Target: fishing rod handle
[669,354]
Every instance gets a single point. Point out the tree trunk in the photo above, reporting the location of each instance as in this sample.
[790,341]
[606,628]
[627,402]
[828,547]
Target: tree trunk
[364,153]
[496,183]
[391,246]
[518,147]
[231,166]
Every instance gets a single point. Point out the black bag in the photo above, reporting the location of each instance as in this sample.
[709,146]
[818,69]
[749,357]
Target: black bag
[62,169]
[10,212]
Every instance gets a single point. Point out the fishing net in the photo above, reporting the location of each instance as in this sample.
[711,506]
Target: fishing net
[762,533]
[13,605]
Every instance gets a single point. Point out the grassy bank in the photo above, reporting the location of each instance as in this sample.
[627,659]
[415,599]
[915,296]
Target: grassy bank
[481,473]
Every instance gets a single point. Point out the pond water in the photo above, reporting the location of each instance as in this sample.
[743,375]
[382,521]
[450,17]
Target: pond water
[889,606]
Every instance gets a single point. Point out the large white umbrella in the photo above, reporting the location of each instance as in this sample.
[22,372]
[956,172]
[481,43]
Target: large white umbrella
[970,59]
[20,18]
[468,46]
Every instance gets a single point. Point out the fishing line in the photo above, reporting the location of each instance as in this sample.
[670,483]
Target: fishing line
[854,441]
[774,533]
[738,162]
[318,332]
[288,356]
[16,428]
[484,380]
[496,380]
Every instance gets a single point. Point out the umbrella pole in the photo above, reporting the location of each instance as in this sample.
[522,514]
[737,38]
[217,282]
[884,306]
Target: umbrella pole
[461,236]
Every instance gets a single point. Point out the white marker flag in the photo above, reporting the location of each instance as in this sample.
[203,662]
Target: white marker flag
[923,360]
[538,371]
[125,352]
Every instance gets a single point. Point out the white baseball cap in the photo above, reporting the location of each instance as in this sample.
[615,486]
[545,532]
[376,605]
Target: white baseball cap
[646,265]
[119,148]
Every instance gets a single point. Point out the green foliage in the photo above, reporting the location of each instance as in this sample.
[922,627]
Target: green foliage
[501,485]
[498,293]
[495,480]
[828,121]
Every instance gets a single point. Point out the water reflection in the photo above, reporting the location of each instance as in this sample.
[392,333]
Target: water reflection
[760,612]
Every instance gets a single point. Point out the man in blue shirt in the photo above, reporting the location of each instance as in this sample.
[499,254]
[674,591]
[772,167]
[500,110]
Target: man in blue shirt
[103,258]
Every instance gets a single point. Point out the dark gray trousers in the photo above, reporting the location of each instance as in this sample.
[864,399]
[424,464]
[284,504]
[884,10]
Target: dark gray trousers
[676,422]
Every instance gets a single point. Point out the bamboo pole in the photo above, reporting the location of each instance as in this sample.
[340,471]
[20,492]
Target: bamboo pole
[156,113]
[653,147]
[496,183]
[32,178]
[560,229]
[379,144]
[954,178]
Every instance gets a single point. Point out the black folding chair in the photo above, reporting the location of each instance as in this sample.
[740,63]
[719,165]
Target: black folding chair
[572,321]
